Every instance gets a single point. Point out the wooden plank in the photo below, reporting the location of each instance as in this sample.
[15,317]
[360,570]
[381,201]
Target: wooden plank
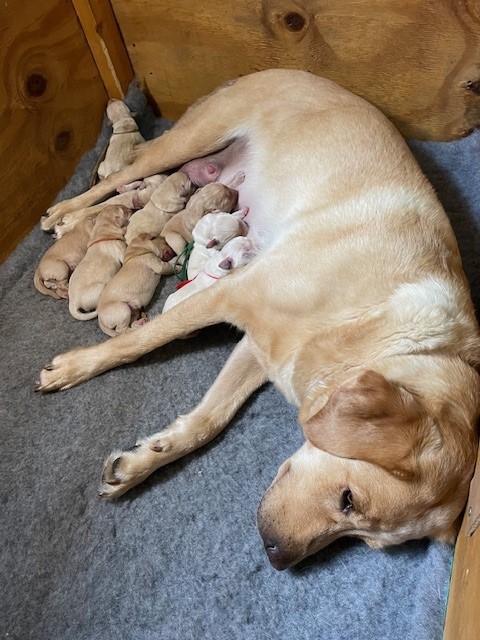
[106,44]
[418,60]
[51,106]
[463,616]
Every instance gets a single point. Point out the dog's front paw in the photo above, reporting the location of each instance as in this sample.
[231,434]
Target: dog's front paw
[66,370]
[56,212]
[125,469]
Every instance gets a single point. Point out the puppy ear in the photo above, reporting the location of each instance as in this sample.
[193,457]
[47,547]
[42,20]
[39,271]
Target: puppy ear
[369,418]
[120,222]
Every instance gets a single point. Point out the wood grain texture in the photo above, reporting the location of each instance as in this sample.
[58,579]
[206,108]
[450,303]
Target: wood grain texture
[463,615]
[51,106]
[418,60]
[106,44]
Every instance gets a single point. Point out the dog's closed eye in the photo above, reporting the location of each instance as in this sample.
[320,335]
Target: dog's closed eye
[346,502]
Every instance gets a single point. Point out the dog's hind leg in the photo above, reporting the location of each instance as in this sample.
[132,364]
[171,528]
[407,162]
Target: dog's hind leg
[206,127]
[208,307]
[240,377]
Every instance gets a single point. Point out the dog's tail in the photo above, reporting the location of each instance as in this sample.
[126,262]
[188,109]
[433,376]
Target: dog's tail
[40,286]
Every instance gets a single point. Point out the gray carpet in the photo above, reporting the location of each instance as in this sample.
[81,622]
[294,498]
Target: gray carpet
[180,558]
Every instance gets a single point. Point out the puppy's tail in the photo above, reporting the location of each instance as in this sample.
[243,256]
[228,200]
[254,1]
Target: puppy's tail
[116,317]
[40,286]
[80,314]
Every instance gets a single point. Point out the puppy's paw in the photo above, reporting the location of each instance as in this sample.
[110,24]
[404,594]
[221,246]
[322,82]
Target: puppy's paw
[125,469]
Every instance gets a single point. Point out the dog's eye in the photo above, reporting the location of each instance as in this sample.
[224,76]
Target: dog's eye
[346,501]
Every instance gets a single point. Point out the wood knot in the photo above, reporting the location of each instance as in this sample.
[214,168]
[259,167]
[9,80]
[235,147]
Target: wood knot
[62,141]
[35,85]
[294,21]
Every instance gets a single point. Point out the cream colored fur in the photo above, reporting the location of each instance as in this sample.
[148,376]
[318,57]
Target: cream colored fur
[125,137]
[58,262]
[104,257]
[356,307]
[236,253]
[211,234]
[124,298]
[167,200]
[132,199]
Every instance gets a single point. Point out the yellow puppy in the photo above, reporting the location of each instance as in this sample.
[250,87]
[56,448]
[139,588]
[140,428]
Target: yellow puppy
[104,257]
[169,198]
[58,262]
[132,288]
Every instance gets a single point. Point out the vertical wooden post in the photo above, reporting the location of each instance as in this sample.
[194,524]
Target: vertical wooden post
[106,44]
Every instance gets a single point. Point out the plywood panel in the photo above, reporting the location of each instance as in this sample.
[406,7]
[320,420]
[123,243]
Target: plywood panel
[463,615]
[51,105]
[418,60]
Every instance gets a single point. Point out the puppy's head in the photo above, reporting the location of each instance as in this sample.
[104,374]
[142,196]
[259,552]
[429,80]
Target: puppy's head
[112,219]
[119,115]
[145,243]
[214,230]
[174,192]
[214,196]
[381,462]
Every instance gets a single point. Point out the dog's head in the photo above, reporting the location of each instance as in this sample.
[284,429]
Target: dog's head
[381,462]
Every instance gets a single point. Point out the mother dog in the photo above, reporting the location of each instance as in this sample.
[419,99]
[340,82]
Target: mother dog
[357,308]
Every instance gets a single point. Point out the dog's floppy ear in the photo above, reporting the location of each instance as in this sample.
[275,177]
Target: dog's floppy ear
[369,418]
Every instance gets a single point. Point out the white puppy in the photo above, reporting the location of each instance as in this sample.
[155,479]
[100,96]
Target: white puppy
[211,234]
[235,253]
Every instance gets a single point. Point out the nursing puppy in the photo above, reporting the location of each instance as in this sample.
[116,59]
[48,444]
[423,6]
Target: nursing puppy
[58,262]
[169,198]
[104,257]
[125,136]
[236,253]
[214,196]
[133,196]
[211,234]
[122,301]
[356,307]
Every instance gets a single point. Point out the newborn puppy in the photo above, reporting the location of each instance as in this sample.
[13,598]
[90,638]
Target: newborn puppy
[211,233]
[169,198]
[122,141]
[178,231]
[235,253]
[132,288]
[58,262]
[104,257]
[133,196]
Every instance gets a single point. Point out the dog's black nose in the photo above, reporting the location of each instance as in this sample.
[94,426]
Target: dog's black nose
[276,554]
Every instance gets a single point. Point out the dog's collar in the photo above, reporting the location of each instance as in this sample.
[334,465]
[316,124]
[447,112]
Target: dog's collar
[182,283]
[90,244]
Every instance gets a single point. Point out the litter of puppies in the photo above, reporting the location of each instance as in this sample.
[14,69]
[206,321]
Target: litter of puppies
[107,260]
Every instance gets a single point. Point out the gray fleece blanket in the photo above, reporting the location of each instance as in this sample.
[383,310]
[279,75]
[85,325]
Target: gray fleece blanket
[179,557]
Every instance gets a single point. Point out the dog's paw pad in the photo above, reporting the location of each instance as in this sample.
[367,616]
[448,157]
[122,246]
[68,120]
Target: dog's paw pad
[156,445]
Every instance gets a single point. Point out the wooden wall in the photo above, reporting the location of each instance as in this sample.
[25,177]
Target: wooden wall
[51,105]
[418,60]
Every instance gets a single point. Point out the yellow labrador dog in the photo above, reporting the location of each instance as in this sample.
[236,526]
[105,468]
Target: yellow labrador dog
[356,307]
